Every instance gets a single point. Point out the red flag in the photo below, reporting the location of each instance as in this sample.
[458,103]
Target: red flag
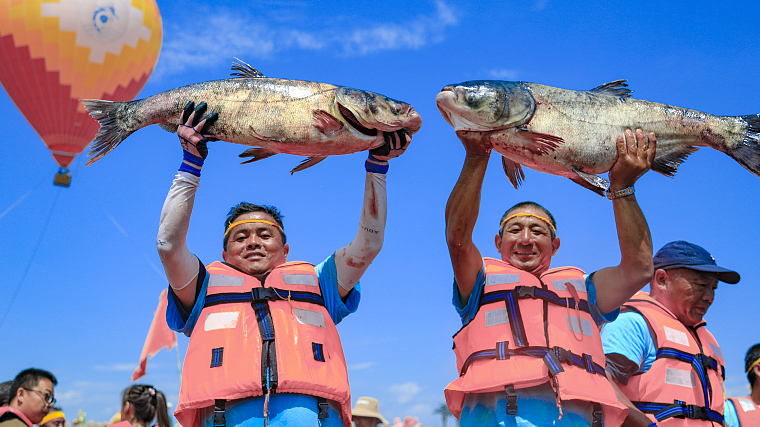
[159,336]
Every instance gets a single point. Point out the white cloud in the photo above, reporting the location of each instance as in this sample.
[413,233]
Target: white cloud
[404,392]
[119,367]
[502,74]
[248,38]
[360,366]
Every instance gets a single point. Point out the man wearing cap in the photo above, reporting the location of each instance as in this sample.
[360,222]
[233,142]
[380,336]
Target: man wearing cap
[263,347]
[366,413]
[31,397]
[529,351]
[664,364]
[745,411]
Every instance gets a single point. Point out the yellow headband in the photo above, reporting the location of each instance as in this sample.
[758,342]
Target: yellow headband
[235,224]
[752,365]
[554,230]
[51,416]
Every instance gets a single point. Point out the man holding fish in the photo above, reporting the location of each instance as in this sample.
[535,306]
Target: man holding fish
[529,353]
[263,347]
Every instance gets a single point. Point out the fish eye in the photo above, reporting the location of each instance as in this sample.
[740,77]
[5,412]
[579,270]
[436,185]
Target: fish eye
[395,109]
[470,97]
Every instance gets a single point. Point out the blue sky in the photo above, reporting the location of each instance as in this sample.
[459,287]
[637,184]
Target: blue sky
[81,273]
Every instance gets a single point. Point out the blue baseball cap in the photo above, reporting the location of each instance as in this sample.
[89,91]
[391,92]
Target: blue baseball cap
[681,254]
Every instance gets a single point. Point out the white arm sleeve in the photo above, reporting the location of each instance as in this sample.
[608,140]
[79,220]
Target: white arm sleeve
[352,261]
[180,265]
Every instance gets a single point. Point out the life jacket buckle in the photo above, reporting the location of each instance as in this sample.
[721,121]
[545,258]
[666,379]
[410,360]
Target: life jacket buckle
[563,355]
[323,405]
[696,412]
[511,400]
[219,410]
[589,363]
[597,416]
[263,294]
[526,291]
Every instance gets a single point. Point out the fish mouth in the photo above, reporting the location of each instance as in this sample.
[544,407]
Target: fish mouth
[354,122]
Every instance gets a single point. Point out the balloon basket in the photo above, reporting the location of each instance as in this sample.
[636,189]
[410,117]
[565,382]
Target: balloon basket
[62,178]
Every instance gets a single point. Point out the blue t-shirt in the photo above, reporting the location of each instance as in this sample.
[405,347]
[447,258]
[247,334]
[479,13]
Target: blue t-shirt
[730,418]
[537,405]
[284,408]
[628,336]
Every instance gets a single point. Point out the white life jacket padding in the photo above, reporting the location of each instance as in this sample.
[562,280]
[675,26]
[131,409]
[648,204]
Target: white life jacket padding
[530,331]
[684,385]
[252,339]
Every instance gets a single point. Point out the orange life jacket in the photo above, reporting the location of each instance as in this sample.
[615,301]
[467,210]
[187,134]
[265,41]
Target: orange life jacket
[747,411]
[529,331]
[252,339]
[684,386]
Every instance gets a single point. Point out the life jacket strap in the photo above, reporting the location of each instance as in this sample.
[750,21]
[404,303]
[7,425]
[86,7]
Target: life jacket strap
[219,410]
[511,399]
[534,292]
[597,415]
[322,405]
[678,409]
[260,295]
[553,357]
[699,362]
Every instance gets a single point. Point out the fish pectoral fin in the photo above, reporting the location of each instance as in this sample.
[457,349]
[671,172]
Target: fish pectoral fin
[669,163]
[540,143]
[169,127]
[311,161]
[262,137]
[513,170]
[243,70]
[257,154]
[595,183]
[617,88]
[328,124]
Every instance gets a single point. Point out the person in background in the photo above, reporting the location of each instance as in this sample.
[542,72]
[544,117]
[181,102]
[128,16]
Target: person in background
[140,405]
[54,418]
[5,390]
[31,396]
[745,411]
[661,360]
[366,413]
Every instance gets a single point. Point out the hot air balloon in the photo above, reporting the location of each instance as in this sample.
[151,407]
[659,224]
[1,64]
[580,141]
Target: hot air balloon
[56,52]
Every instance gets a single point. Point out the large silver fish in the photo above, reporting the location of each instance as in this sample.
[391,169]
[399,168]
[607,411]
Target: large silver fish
[572,133]
[275,115]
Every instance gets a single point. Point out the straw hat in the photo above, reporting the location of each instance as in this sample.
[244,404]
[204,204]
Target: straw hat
[368,407]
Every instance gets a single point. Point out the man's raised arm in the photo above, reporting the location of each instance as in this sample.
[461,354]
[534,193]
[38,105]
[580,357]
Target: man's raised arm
[462,211]
[353,260]
[180,265]
[615,285]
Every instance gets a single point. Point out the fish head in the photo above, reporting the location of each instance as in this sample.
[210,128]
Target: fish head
[365,111]
[485,105]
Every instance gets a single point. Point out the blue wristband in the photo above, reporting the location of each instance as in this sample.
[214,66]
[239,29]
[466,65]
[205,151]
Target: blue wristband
[191,163]
[374,165]
[653,425]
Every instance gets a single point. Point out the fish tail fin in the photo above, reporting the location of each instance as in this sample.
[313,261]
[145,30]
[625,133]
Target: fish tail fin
[111,132]
[747,152]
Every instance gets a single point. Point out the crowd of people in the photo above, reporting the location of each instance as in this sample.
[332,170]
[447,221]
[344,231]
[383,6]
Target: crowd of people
[539,345]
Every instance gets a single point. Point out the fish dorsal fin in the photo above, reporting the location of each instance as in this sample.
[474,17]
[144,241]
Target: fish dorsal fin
[243,70]
[257,154]
[513,170]
[595,183]
[669,163]
[309,162]
[617,88]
